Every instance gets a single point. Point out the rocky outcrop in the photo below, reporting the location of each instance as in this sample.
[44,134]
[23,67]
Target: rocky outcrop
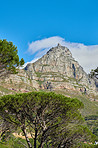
[57,69]
[15,83]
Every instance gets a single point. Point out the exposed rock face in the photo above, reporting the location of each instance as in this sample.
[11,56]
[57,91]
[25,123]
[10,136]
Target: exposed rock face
[20,82]
[58,70]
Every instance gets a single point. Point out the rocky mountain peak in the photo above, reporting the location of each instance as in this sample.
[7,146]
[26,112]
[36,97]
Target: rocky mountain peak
[58,68]
[60,49]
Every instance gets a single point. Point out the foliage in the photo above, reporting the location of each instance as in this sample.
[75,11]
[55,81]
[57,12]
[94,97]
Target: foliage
[85,145]
[9,59]
[13,142]
[52,120]
[94,73]
[22,62]
[92,123]
[90,107]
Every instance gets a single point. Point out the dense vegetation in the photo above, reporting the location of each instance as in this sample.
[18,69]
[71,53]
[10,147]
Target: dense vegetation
[9,58]
[51,120]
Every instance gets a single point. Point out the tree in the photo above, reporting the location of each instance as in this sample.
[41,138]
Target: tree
[22,62]
[94,73]
[52,120]
[9,59]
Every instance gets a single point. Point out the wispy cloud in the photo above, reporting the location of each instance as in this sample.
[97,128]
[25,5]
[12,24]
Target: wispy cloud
[41,46]
[87,56]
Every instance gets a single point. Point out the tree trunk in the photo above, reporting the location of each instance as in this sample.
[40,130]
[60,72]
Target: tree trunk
[27,139]
[42,139]
[35,138]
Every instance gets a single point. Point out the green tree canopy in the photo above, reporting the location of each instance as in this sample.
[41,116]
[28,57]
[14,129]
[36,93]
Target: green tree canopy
[9,59]
[52,120]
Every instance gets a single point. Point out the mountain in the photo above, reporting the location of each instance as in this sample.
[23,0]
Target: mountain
[56,70]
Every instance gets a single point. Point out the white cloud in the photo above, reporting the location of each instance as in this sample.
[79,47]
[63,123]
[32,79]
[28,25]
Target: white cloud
[87,56]
[45,44]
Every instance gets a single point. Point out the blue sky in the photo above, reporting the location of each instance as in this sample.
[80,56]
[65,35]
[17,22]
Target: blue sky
[73,21]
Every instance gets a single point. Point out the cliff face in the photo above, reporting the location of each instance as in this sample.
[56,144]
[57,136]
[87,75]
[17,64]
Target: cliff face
[58,70]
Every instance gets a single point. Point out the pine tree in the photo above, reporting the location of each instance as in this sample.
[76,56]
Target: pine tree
[9,58]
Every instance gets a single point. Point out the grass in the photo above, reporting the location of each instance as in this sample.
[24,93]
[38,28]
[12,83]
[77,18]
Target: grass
[4,91]
[38,74]
[54,74]
[90,107]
